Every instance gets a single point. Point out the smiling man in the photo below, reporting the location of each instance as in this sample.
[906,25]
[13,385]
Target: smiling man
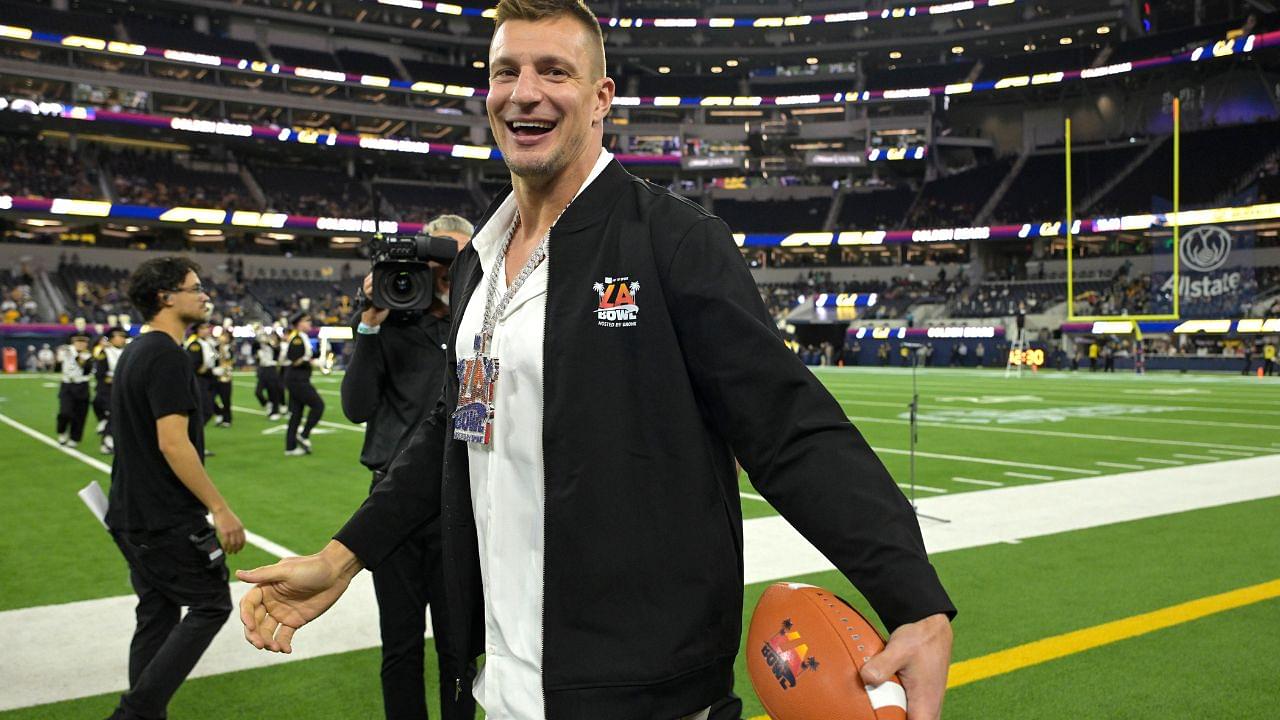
[610,356]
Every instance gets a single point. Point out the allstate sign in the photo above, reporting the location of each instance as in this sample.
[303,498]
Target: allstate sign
[1202,251]
[1206,248]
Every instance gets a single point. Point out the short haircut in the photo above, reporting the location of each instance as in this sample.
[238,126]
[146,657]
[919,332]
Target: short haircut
[450,223]
[154,277]
[535,10]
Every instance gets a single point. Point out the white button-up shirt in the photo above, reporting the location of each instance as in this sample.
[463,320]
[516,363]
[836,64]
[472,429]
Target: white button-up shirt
[507,479]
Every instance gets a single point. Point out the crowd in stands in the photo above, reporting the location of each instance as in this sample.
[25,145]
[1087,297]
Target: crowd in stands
[31,168]
[329,302]
[17,301]
[149,177]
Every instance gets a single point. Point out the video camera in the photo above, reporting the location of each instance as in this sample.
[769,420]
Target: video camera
[402,279]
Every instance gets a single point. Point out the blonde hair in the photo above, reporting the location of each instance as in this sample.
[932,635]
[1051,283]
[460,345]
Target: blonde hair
[450,223]
[535,10]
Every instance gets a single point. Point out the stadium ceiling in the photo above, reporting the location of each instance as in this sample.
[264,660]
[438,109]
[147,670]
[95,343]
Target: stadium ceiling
[768,40]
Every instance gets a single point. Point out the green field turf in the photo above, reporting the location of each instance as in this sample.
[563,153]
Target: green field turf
[1045,427]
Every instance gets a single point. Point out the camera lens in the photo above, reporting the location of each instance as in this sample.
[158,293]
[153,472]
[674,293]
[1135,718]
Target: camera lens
[402,285]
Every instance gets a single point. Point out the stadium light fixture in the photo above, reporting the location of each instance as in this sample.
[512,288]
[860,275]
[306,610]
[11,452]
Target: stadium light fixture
[895,55]
[811,60]
[664,70]
[1103,29]
[731,63]
[957,50]
[478,64]
[1065,41]
[717,69]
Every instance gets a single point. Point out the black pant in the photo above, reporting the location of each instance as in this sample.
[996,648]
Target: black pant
[222,400]
[302,394]
[102,401]
[207,408]
[406,583]
[168,572]
[73,408]
[269,389]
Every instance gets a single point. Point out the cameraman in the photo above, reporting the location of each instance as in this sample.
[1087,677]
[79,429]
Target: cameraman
[393,379]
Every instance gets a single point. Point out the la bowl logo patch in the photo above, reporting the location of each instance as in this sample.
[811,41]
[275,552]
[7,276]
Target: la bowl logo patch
[787,655]
[1206,248]
[617,306]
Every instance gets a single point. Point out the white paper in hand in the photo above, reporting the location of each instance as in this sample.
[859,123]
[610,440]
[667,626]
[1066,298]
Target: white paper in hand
[95,500]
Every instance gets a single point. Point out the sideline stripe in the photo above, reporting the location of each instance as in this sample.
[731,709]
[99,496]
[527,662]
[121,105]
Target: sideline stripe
[1231,452]
[1195,457]
[1059,646]
[250,537]
[1158,461]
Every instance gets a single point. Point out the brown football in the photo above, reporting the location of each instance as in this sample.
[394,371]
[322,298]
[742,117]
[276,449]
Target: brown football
[804,650]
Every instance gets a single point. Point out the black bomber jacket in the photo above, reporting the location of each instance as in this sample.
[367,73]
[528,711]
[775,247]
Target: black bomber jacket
[645,412]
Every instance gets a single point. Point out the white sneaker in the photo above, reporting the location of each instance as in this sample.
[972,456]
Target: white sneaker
[295,452]
[103,449]
[274,416]
[305,443]
[102,425]
[63,438]
[72,443]
[224,423]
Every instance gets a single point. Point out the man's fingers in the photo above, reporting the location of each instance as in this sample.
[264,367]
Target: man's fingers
[267,626]
[883,666]
[237,542]
[264,574]
[248,605]
[284,639]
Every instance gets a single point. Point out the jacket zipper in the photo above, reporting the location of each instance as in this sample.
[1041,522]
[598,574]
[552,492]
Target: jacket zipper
[542,634]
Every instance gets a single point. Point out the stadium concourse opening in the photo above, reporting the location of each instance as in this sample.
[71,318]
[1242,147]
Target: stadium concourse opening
[1084,194]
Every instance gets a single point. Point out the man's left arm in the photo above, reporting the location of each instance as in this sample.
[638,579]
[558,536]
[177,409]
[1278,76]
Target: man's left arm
[803,455]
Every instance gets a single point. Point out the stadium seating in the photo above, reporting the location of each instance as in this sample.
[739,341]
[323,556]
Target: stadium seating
[156,178]
[782,216]
[31,168]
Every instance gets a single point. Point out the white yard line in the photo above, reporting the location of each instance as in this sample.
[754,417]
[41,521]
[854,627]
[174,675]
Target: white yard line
[323,423]
[1158,461]
[752,496]
[1029,476]
[1122,466]
[1054,433]
[925,488]
[250,537]
[1232,453]
[1195,457]
[986,461]
[972,481]
[99,630]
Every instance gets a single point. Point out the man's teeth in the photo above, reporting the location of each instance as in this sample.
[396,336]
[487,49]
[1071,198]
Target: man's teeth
[538,125]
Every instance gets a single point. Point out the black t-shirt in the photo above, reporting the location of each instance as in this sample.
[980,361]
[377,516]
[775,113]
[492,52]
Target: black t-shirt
[153,379]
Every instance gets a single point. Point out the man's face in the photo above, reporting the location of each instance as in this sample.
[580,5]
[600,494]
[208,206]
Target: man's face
[304,325]
[204,331]
[117,340]
[547,99]
[189,300]
[80,344]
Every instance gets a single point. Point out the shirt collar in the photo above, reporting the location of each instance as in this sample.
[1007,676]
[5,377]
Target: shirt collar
[487,242]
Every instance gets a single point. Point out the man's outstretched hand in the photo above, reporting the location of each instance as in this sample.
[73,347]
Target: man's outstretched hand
[292,593]
[919,653]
